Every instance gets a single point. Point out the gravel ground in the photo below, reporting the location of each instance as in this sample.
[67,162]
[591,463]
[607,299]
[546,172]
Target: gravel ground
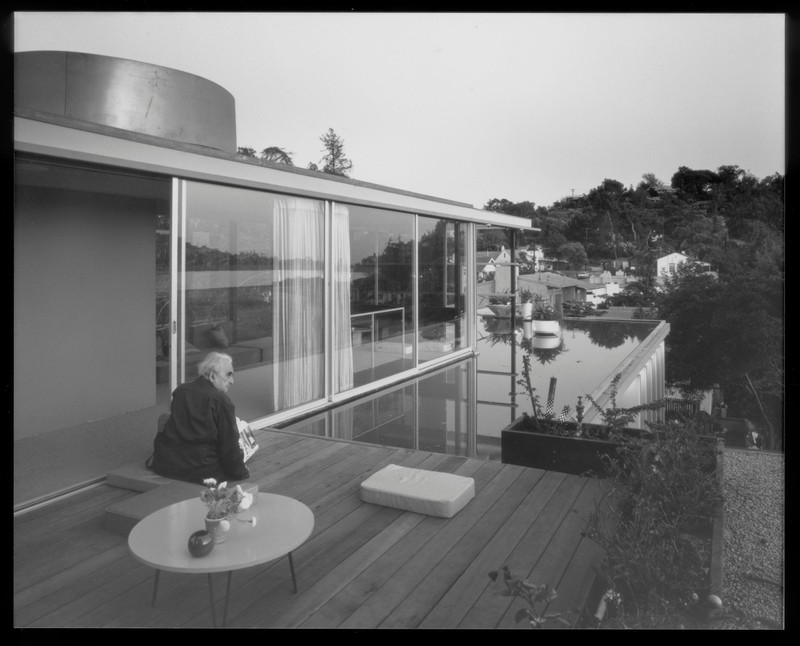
[753,559]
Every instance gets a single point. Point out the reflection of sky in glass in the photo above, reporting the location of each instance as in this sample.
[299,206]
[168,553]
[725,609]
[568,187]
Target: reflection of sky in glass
[591,350]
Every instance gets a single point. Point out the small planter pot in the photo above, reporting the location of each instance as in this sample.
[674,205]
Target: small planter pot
[527,329]
[546,341]
[526,310]
[218,528]
[501,311]
[547,327]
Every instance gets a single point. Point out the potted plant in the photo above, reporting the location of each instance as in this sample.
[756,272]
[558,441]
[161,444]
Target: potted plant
[525,299]
[545,319]
[223,502]
[563,443]
[500,304]
[498,330]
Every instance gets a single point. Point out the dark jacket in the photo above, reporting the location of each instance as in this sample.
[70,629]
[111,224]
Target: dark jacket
[200,439]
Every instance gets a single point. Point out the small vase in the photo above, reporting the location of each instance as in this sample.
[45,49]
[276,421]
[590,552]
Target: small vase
[218,528]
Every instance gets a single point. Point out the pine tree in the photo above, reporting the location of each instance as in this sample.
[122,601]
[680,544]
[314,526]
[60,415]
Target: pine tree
[334,162]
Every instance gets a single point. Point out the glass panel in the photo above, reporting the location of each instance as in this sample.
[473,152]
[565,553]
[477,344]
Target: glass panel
[432,413]
[254,289]
[163,296]
[381,294]
[442,272]
[445,413]
[386,420]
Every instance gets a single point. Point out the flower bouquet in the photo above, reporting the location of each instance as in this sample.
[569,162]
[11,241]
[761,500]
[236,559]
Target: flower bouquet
[222,502]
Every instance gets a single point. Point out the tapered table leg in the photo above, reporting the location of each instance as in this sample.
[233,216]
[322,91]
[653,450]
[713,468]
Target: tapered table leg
[211,594]
[227,596]
[155,588]
[291,567]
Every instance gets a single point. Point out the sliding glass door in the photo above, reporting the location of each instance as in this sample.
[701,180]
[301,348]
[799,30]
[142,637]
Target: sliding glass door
[442,287]
[381,292]
[252,286]
[310,298]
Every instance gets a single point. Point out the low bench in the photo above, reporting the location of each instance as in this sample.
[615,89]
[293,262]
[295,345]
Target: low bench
[154,492]
[432,493]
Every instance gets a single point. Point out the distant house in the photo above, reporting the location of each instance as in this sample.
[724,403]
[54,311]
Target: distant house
[597,294]
[606,277]
[668,265]
[484,261]
[555,287]
[533,255]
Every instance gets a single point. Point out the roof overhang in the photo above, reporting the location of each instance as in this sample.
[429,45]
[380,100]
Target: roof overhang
[89,143]
[487,225]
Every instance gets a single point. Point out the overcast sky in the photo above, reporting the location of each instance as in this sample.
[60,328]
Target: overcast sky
[472,107]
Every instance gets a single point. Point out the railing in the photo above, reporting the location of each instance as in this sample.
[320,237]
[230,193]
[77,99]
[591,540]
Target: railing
[373,329]
[680,408]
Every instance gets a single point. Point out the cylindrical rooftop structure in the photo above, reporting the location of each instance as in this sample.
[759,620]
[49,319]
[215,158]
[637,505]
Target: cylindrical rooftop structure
[126,94]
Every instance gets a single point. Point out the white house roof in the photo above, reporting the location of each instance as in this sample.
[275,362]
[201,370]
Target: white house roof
[553,280]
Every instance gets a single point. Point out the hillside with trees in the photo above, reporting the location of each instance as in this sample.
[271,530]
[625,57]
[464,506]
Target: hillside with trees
[727,326]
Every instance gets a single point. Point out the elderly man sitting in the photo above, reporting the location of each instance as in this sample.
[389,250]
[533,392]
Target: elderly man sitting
[200,439]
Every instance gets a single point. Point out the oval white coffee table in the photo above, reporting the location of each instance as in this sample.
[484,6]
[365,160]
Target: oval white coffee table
[160,540]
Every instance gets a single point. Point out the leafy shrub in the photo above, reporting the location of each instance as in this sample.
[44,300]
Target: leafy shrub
[656,537]
[615,418]
[578,308]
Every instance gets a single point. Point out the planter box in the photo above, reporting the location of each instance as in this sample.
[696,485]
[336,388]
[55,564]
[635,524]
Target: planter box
[573,455]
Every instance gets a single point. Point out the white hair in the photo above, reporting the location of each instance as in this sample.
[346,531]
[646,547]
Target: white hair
[212,363]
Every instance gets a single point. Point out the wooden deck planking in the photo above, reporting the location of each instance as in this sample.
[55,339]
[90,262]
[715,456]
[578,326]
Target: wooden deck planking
[541,523]
[465,591]
[365,566]
[554,559]
[36,566]
[56,594]
[381,605]
[344,575]
[443,575]
[394,555]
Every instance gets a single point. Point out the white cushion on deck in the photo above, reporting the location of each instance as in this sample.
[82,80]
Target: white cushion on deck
[425,492]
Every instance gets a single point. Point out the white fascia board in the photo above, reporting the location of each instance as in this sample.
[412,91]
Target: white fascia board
[43,138]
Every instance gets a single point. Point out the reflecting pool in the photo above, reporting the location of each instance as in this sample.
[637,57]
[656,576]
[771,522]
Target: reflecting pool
[460,409]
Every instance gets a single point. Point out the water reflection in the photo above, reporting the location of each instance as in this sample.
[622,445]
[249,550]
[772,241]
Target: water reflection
[544,348]
[498,330]
[461,409]
[614,334]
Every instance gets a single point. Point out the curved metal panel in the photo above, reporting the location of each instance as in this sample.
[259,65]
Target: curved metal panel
[126,94]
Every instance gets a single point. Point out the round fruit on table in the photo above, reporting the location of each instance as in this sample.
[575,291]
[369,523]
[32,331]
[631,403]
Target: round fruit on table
[201,543]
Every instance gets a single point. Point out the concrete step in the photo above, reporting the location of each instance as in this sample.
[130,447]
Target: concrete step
[121,517]
[136,477]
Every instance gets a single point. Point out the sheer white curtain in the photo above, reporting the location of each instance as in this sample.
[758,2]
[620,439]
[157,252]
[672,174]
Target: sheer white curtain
[298,317]
[342,332]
